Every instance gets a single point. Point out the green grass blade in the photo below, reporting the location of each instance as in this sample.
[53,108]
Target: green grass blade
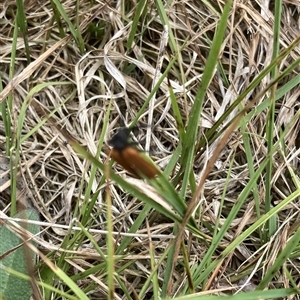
[192,128]
[74,31]
[271,225]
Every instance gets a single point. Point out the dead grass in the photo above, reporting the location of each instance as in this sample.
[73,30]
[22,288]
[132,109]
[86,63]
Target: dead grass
[81,86]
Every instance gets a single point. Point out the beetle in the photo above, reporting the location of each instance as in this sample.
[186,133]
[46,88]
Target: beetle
[130,158]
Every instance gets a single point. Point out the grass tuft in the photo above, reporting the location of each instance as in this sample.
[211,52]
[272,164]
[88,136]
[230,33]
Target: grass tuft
[213,89]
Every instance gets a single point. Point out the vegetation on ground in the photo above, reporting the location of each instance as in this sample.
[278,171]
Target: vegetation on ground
[210,90]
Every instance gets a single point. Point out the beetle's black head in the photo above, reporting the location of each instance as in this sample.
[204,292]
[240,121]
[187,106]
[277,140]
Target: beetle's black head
[121,139]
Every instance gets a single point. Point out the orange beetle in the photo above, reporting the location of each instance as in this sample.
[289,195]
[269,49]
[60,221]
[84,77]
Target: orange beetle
[129,157]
